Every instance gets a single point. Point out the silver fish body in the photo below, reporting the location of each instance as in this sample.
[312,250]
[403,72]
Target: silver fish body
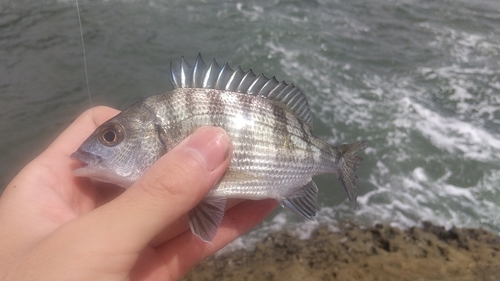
[275,153]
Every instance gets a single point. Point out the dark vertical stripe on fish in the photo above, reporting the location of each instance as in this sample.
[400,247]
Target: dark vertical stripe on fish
[170,109]
[216,107]
[306,137]
[188,100]
[280,129]
[172,126]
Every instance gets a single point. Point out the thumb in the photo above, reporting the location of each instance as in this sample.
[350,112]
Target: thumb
[168,190]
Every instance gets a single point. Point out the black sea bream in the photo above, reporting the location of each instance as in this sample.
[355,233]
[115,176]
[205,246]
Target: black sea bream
[275,151]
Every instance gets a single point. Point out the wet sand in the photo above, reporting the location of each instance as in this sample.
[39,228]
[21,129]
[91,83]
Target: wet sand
[379,252]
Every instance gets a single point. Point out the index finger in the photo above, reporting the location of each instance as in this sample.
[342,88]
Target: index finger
[80,129]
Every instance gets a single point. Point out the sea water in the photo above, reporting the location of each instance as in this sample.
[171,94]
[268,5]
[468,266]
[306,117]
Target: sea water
[420,80]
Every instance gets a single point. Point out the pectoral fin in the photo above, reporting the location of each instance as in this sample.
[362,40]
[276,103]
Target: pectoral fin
[303,201]
[205,218]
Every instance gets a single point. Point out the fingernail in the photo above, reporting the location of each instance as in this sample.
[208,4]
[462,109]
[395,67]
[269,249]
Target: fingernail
[210,145]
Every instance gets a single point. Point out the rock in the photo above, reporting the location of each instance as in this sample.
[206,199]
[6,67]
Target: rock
[379,252]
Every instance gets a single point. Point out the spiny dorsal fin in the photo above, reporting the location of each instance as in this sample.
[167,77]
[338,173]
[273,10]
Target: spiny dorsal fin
[212,76]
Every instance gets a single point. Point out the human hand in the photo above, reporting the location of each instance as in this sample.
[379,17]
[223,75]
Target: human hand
[54,226]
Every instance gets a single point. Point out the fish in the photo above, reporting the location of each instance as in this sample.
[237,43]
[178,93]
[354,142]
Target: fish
[275,153]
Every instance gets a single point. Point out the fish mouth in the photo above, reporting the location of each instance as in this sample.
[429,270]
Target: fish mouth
[89,161]
[85,157]
[92,168]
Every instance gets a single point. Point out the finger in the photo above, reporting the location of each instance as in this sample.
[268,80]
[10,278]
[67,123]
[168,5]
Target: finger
[81,128]
[56,156]
[43,190]
[182,253]
[53,168]
[169,189]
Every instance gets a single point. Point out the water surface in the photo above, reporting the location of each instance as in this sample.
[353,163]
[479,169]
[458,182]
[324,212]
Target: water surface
[418,79]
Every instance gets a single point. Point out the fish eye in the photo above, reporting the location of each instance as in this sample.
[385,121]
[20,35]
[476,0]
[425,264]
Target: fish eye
[111,134]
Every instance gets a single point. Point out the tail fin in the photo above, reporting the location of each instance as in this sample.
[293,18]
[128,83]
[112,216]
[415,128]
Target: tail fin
[348,163]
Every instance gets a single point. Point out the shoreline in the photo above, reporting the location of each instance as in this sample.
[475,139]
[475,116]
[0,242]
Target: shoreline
[354,252]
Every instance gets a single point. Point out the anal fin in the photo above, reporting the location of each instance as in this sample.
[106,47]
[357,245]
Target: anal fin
[304,201]
[205,218]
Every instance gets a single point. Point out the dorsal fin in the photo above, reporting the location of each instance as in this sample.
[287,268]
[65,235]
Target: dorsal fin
[212,76]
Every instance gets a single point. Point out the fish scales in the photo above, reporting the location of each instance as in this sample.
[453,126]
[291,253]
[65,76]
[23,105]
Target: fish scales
[275,153]
[258,137]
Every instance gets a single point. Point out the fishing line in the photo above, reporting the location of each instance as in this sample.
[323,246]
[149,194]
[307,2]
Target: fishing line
[84,56]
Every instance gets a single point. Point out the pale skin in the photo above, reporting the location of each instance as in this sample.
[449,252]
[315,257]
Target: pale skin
[55,226]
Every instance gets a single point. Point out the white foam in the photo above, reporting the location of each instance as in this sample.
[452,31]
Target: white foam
[419,174]
[403,191]
[252,14]
[453,135]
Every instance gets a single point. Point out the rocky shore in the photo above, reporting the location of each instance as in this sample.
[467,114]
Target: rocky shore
[379,252]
